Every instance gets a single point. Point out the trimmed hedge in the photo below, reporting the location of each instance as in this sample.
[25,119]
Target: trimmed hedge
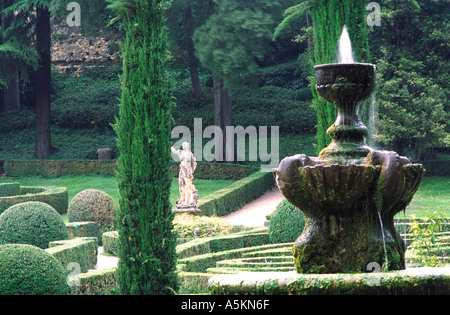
[9,189]
[101,282]
[57,197]
[83,229]
[286,223]
[110,242]
[59,168]
[233,197]
[81,251]
[32,223]
[28,270]
[436,167]
[93,205]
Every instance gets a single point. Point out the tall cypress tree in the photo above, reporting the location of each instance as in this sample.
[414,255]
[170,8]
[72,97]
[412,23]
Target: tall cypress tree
[147,243]
[329,17]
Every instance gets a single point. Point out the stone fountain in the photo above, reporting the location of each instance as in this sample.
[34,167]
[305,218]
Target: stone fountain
[349,194]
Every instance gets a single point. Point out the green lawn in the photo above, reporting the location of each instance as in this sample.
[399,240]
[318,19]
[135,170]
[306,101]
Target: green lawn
[433,194]
[75,184]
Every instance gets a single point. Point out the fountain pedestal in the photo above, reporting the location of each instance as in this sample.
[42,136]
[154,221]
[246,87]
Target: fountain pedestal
[351,192]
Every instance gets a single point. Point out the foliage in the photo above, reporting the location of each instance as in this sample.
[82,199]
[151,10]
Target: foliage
[229,56]
[93,205]
[28,270]
[413,75]
[94,14]
[56,197]
[88,101]
[202,226]
[32,223]
[147,243]
[16,42]
[425,242]
[286,223]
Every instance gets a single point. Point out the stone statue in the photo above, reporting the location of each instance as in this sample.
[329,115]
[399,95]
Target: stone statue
[188,193]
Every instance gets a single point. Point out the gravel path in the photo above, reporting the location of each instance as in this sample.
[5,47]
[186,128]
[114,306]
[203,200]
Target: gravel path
[255,212]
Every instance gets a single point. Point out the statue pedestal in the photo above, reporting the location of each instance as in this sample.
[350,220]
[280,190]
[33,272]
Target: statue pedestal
[187,213]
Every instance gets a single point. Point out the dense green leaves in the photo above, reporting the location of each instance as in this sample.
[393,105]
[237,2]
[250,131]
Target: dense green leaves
[147,244]
[412,50]
[227,55]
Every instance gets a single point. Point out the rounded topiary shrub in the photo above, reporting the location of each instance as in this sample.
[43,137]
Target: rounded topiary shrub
[28,270]
[33,223]
[286,223]
[95,206]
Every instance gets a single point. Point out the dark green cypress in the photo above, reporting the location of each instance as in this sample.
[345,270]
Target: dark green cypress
[147,243]
[329,18]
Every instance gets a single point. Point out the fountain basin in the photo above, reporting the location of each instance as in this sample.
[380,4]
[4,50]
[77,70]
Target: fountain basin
[412,281]
[346,85]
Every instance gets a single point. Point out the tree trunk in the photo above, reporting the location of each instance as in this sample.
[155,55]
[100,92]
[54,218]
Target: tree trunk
[223,117]
[192,59]
[422,153]
[11,92]
[43,146]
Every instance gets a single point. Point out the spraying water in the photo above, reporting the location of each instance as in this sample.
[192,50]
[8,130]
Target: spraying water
[345,48]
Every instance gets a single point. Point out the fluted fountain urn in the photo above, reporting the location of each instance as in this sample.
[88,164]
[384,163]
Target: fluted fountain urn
[351,192]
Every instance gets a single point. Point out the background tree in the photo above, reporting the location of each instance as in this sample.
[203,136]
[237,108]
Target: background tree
[235,37]
[183,18]
[412,50]
[17,51]
[10,67]
[328,18]
[147,243]
[43,146]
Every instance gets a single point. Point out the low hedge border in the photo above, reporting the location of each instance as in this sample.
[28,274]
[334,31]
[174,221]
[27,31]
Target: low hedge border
[83,229]
[57,197]
[233,197]
[9,189]
[100,282]
[195,272]
[81,251]
[59,168]
[110,242]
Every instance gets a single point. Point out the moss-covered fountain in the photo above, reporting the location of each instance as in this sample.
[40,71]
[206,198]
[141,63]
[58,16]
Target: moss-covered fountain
[349,195]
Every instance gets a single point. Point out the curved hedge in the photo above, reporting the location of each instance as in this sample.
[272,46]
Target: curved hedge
[32,223]
[28,270]
[57,197]
[286,223]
